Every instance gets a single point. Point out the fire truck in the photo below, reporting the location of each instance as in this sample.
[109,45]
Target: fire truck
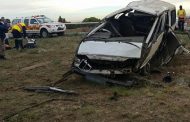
[41,25]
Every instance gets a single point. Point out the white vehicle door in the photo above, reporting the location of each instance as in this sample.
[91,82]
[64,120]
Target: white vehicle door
[34,26]
[156,39]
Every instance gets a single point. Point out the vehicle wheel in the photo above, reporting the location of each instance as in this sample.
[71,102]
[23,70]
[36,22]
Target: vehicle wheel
[61,34]
[145,70]
[188,34]
[44,33]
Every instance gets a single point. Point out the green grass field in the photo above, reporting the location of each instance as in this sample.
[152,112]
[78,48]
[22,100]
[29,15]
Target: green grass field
[151,101]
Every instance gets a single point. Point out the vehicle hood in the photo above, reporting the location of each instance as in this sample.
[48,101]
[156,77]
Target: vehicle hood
[54,23]
[102,50]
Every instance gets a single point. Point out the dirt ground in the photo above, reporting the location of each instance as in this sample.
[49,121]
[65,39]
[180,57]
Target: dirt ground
[152,100]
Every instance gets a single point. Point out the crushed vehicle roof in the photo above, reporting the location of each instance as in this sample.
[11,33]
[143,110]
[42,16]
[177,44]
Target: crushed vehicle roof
[154,7]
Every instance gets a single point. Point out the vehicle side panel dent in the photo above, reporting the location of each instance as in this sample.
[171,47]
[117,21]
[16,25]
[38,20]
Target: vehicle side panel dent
[151,31]
[153,49]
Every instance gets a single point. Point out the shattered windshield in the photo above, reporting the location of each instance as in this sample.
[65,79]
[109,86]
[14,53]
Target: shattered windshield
[129,26]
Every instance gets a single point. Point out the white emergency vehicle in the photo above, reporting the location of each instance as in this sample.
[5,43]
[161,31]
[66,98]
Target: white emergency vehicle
[41,25]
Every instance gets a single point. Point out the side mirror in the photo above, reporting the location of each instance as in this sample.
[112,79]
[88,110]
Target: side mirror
[36,23]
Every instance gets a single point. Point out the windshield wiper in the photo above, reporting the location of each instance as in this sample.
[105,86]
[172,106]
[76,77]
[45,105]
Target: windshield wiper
[107,40]
[96,39]
[123,42]
[132,44]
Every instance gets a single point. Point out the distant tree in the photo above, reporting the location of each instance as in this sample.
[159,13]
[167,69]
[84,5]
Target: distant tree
[63,20]
[91,19]
[60,19]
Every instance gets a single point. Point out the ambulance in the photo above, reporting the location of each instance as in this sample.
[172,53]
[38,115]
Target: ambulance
[41,25]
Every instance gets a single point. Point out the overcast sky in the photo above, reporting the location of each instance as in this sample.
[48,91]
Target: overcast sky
[72,10]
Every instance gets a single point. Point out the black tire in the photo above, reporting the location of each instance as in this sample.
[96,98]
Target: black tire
[145,70]
[61,33]
[44,33]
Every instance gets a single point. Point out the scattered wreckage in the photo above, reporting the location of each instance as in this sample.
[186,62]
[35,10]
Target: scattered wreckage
[132,39]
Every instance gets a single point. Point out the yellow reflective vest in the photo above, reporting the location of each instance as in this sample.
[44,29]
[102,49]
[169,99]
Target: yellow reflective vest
[181,13]
[18,27]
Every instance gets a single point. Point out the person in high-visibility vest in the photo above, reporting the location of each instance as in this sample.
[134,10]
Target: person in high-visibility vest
[181,18]
[3,30]
[19,31]
[7,24]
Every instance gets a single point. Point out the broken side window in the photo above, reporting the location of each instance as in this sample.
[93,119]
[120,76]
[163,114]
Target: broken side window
[133,23]
[127,24]
[173,17]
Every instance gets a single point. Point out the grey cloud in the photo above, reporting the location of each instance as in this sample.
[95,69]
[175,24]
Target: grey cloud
[12,8]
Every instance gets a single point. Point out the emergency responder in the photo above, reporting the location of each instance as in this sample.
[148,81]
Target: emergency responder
[181,18]
[7,24]
[3,30]
[19,31]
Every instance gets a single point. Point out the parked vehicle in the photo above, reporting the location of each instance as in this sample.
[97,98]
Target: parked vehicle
[132,39]
[187,24]
[41,25]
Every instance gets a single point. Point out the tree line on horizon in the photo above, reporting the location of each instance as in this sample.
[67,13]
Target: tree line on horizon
[89,19]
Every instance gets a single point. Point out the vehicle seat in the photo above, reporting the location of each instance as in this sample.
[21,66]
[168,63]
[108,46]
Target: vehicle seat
[116,26]
[126,27]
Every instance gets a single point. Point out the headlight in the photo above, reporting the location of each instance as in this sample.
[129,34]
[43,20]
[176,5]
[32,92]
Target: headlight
[53,26]
[77,60]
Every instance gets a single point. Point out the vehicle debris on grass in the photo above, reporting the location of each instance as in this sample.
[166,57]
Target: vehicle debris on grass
[35,66]
[48,89]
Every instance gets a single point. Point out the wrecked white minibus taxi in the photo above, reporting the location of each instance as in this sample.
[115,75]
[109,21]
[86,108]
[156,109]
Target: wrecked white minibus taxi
[132,39]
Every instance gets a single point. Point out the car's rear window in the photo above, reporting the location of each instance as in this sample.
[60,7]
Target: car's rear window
[15,21]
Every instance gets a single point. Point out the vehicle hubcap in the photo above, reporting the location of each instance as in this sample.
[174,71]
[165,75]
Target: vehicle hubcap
[44,34]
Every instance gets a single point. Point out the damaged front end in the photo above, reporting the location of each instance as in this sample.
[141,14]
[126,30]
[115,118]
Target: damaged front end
[129,40]
[107,57]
